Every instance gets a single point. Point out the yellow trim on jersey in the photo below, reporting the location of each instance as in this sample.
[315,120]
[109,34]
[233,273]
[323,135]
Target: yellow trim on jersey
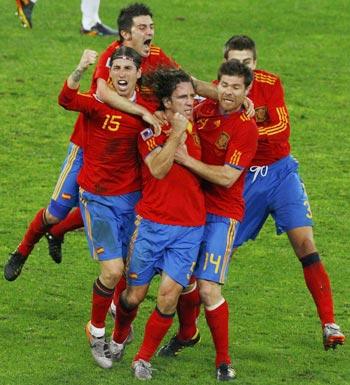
[89,227]
[280,126]
[263,78]
[244,117]
[151,144]
[228,250]
[68,166]
[235,158]
[131,247]
[84,94]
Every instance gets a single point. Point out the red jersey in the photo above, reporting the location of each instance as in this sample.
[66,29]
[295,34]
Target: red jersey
[157,57]
[271,117]
[177,199]
[111,163]
[225,139]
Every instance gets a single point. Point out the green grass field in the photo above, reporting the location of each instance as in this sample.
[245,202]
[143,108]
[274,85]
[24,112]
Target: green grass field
[275,332]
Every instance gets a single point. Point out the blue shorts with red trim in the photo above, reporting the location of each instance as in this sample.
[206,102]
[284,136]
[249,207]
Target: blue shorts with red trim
[109,223]
[216,249]
[157,247]
[278,190]
[66,192]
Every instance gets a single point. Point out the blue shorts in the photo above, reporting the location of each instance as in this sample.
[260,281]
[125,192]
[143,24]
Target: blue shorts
[109,223]
[216,248]
[156,247]
[277,190]
[66,192]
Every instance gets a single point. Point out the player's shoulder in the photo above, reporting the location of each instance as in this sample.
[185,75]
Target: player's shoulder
[246,122]
[156,51]
[265,77]
[111,48]
[206,108]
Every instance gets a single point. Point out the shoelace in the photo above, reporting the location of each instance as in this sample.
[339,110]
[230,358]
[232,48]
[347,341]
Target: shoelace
[262,170]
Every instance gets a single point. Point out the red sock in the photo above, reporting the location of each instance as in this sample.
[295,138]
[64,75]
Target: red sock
[72,221]
[35,231]
[217,320]
[188,309]
[121,286]
[123,321]
[319,285]
[156,328]
[101,300]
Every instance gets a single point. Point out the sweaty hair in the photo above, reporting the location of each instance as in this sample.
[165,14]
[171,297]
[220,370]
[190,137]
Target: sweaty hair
[239,43]
[127,53]
[126,15]
[164,80]
[234,67]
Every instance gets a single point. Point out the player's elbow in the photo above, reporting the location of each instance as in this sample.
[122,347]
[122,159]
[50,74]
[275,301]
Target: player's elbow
[101,90]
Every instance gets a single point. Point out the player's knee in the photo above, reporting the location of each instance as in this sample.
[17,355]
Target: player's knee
[111,276]
[131,298]
[51,219]
[57,211]
[167,300]
[209,292]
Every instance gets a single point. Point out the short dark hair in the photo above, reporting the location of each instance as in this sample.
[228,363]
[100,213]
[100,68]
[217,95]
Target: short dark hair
[163,81]
[129,53]
[234,67]
[239,43]
[126,15]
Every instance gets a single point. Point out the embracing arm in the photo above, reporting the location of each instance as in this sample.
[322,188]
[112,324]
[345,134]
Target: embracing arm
[223,175]
[112,98]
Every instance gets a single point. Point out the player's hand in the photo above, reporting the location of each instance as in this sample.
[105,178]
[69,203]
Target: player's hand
[153,120]
[249,107]
[178,126]
[88,58]
[181,154]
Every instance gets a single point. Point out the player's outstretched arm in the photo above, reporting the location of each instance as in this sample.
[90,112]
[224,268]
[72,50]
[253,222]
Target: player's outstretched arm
[113,99]
[88,58]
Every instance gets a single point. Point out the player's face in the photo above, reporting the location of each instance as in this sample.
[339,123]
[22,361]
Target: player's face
[182,100]
[141,35]
[245,56]
[231,93]
[124,75]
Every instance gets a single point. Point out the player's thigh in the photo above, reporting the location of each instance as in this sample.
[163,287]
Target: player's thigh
[102,228]
[181,255]
[291,207]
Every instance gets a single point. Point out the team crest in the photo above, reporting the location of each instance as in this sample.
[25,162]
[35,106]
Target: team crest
[261,114]
[222,141]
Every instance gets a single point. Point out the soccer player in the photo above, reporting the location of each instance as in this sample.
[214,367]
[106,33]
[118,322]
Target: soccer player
[169,222]
[109,180]
[90,25]
[136,30]
[229,141]
[273,186]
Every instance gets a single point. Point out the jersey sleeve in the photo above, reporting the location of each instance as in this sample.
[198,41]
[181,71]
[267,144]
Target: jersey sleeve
[242,148]
[279,125]
[147,142]
[102,66]
[73,100]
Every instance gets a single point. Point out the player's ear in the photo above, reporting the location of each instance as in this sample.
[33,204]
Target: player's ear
[166,102]
[139,73]
[126,35]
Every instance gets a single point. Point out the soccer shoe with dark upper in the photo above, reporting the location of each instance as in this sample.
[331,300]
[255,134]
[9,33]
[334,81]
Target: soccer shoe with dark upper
[332,336]
[225,372]
[14,266]
[99,30]
[55,247]
[174,346]
[99,349]
[24,12]
[142,370]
